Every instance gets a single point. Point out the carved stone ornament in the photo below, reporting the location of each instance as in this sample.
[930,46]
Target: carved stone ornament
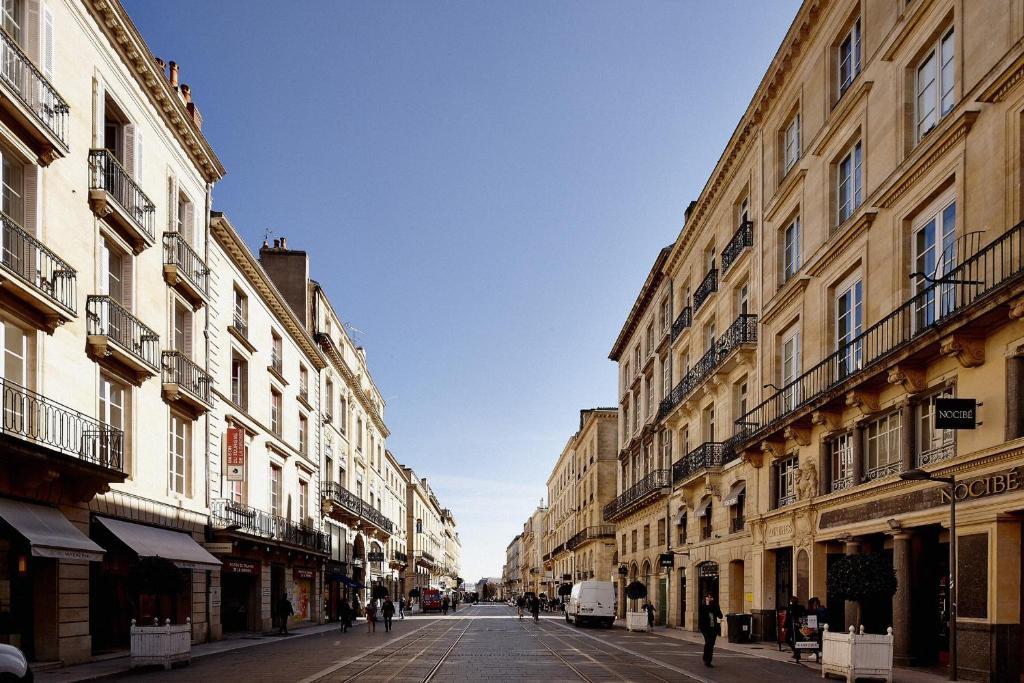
[806,481]
[866,402]
[802,435]
[772,449]
[1017,309]
[969,351]
[910,378]
[828,419]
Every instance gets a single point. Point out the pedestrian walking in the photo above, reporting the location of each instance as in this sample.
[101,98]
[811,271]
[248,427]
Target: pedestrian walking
[794,613]
[345,615]
[649,608]
[455,603]
[284,610]
[401,607]
[709,619]
[814,607]
[520,604]
[444,605]
[357,609]
[535,609]
[388,610]
[371,617]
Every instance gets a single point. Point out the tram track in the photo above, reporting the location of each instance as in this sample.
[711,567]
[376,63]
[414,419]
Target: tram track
[554,631]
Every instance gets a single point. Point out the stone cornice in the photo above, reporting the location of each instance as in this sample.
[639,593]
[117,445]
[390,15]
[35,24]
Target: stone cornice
[840,240]
[1010,77]
[331,351]
[643,300]
[235,248]
[788,293]
[116,25]
[905,28]
[843,111]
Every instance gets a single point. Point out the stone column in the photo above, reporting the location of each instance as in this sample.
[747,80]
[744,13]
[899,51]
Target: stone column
[824,467]
[907,435]
[901,601]
[852,548]
[858,454]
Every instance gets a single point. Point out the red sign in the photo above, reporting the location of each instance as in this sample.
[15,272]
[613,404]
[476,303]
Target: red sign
[235,454]
[303,573]
[232,566]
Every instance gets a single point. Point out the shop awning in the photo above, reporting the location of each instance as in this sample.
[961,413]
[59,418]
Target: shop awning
[735,491]
[49,532]
[148,541]
[702,509]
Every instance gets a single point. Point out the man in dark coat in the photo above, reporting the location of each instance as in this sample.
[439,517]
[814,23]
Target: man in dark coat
[794,613]
[708,617]
[284,611]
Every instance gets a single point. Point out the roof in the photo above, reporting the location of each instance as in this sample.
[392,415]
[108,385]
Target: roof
[643,300]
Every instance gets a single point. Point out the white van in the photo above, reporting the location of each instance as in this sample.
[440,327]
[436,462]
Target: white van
[593,602]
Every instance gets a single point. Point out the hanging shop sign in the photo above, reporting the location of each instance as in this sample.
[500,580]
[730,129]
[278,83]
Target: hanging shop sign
[956,413]
[373,556]
[666,560]
[304,574]
[235,454]
[708,570]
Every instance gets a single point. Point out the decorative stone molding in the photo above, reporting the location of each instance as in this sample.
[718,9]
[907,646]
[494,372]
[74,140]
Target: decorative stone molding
[806,481]
[773,449]
[802,435]
[912,379]
[866,402]
[1017,309]
[830,420]
[969,351]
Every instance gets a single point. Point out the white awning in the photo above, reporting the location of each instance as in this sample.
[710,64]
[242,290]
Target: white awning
[49,532]
[148,541]
[733,496]
[702,509]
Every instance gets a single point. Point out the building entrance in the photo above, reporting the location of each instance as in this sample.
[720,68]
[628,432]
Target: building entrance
[240,609]
[707,581]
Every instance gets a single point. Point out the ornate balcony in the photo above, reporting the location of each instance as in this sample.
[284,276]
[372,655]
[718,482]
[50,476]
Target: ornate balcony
[589,534]
[231,517]
[350,508]
[651,487]
[42,283]
[185,270]
[741,239]
[115,197]
[38,111]
[185,382]
[118,337]
[707,287]
[707,456]
[683,321]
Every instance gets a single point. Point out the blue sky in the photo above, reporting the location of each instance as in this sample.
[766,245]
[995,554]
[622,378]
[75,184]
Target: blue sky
[482,187]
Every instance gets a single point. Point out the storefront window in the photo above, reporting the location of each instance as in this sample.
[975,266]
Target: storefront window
[841,452]
[933,444]
[882,450]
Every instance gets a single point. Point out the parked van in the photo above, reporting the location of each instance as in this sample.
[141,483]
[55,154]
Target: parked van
[591,602]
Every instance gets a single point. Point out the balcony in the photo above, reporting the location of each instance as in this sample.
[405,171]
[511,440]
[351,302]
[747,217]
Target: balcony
[349,508]
[737,524]
[425,559]
[117,337]
[399,558]
[710,455]
[557,550]
[185,270]
[589,534]
[740,337]
[228,516]
[32,104]
[42,283]
[115,197]
[707,287]
[741,239]
[682,322]
[35,428]
[186,383]
[648,489]
[976,291]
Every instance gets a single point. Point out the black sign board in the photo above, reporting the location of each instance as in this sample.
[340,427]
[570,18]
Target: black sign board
[374,557]
[666,560]
[956,413]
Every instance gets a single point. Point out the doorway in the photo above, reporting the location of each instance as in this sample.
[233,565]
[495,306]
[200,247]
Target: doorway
[662,601]
[277,589]
[682,598]
[707,581]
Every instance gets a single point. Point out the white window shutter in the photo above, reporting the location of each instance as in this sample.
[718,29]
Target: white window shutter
[47,49]
[127,271]
[130,138]
[98,113]
[188,333]
[189,222]
[137,168]
[31,26]
[104,265]
[30,198]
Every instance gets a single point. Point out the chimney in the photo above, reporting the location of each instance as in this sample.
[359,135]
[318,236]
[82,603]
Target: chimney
[186,93]
[163,66]
[174,74]
[289,271]
[284,242]
[689,209]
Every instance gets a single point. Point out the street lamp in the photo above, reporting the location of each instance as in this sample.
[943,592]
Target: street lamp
[918,474]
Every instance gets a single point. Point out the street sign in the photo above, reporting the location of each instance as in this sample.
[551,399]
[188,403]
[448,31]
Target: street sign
[667,560]
[234,456]
[375,556]
[219,548]
[956,413]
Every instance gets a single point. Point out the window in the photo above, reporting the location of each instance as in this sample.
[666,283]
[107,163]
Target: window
[649,379]
[933,444]
[276,353]
[303,434]
[275,411]
[625,421]
[706,529]
[666,315]
[13,196]
[790,243]
[275,490]
[15,362]
[708,422]
[359,434]
[684,441]
[737,518]
[636,358]
[182,337]
[304,384]
[647,536]
[661,532]
[681,538]
[785,481]
[709,336]
[303,499]
[849,324]
[636,411]
[666,449]
[849,58]
[116,277]
[180,455]
[344,414]
[328,401]
[239,381]
[882,447]
[112,402]
[791,144]
[934,255]
[849,187]
[633,538]
[13,16]
[841,454]
[741,403]
[625,373]
[789,369]
[239,311]
[934,85]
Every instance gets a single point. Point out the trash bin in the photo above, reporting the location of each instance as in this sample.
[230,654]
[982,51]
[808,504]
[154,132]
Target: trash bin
[739,627]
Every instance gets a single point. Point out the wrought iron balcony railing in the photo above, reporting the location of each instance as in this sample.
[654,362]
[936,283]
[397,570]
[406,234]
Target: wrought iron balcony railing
[34,264]
[275,362]
[400,557]
[178,252]
[736,524]
[841,483]
[654,484]
[43,422]
[993,268]
[108,318]
[227,514]
[355,505]
[683,321]
[743,330]
[590,533]
[743,238]
[107,173]
[708,454]
[181,370]
[240,325]
[32,88]
[707,287]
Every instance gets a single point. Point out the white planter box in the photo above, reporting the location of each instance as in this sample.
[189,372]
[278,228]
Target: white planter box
[856,655]
[161,645]
[636,621]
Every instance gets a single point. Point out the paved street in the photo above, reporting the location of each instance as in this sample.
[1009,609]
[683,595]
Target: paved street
[486,642]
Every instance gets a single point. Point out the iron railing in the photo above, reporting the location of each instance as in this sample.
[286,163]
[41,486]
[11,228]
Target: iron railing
[591,532]
[38,420]
[400,557]
[707,287]
[784,500]
[683,321]
[227,514]
[275,361]
[743,330]
[109,318]
[32,88]
[238,322]
[841,483]
[655,483]
[334,491]
[107,173]
[708,454]
[882,471]
[178,252]
[34,264]
[181,370]
[741,239]
[736,524]
[992,268]
[931,455]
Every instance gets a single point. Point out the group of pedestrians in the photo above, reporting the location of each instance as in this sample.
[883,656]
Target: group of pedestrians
[453,603]
[528,602]
[796,617]
[385,611]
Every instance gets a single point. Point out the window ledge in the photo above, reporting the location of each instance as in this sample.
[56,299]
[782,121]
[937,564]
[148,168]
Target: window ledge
[842,110]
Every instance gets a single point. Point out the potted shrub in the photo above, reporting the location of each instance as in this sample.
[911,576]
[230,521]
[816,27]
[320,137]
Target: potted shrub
[636,621]
[862,579]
